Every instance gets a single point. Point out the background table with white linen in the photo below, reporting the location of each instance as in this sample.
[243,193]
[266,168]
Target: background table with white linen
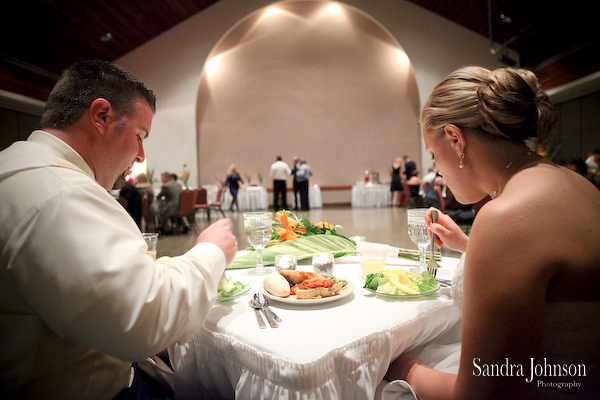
[315,199]
[370,195]
[252,198]
[335,350]
[211,193]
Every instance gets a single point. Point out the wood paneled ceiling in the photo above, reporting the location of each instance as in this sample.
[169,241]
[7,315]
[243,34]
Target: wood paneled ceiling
[558,40]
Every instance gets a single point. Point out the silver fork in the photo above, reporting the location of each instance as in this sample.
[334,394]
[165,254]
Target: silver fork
[432,266]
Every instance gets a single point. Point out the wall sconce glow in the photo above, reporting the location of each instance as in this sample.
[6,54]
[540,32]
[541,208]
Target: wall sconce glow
[334,9]
[212,65]
[272,11]
[403,58]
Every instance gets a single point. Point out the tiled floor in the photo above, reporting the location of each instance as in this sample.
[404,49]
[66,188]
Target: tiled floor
[380,225]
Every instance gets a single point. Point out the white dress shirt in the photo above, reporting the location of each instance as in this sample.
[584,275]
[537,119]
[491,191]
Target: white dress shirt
[280,171]
[78,294]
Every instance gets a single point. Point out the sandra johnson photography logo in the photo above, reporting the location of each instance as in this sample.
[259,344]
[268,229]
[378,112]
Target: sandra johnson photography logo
[536,370]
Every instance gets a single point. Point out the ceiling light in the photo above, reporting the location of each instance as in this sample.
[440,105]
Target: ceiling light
[334,9]
[272,11]
[106,37]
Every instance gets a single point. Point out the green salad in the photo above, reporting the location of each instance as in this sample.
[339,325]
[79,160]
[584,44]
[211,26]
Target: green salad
[227,288]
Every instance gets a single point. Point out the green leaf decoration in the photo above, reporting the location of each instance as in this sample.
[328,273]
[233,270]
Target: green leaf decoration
[303,248]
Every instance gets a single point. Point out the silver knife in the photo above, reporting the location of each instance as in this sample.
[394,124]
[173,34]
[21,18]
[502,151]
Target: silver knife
[272,322]
[275,316]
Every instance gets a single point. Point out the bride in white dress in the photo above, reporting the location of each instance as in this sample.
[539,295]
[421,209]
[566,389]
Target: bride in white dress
[530,300]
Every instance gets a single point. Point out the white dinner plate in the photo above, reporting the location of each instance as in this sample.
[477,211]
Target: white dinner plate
[404,296]
[293,300]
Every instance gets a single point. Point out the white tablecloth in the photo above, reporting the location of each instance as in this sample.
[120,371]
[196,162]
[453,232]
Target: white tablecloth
[337,350]
[211,193]
[370,195]
[252,198]
[314,197]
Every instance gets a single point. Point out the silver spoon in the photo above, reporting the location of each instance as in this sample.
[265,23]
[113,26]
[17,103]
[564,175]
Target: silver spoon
[258,306]
[261,322]
[264,302]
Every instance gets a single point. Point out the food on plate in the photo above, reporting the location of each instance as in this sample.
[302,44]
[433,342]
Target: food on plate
[227,288]
[400,282]
[295,277]
[304,284]
[277,285]
[315,288]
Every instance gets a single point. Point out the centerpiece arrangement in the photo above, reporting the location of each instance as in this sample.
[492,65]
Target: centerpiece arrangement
[300,237]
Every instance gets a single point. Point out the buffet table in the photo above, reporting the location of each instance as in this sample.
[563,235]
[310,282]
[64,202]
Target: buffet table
[332,350]
[252,198]
[370,195]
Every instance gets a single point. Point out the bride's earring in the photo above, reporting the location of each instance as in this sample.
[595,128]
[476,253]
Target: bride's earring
[461,164]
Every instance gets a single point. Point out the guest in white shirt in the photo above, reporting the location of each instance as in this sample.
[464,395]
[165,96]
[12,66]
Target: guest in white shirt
[79,298]
[279,173]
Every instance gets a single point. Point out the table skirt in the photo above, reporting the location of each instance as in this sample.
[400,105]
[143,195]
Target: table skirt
[210,362]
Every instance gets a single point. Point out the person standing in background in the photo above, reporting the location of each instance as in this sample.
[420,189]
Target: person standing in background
[279,173]
[409,167]
[233,181]
[295,184]
[304,173]
[396,185]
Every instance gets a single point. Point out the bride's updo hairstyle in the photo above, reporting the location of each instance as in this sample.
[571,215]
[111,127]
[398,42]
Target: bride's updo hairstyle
[505,103]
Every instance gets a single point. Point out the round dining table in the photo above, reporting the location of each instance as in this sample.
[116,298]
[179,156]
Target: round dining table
[332,349]
[251,198]
[370,195]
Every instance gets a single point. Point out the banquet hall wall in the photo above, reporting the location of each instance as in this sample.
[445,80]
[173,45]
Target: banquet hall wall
[435,47]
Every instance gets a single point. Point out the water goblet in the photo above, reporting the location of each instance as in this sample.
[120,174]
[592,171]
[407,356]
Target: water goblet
[323,263]
[285,262]
[417,231]
[258,227]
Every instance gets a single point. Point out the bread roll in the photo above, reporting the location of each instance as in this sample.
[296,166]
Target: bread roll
[277,285]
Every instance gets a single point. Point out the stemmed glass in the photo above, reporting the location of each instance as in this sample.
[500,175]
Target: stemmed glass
[258,227]
[417,230]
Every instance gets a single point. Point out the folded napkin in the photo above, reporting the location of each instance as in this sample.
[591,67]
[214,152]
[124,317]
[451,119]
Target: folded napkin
[369,248]
[397,390]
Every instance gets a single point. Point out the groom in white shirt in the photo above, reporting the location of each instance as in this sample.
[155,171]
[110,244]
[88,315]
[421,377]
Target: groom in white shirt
[79,298]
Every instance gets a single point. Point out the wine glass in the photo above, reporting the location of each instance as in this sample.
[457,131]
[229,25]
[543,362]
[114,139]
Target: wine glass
[417,230]
[258,227]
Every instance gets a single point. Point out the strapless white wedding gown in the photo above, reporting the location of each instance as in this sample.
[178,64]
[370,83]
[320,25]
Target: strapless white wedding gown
[571,337]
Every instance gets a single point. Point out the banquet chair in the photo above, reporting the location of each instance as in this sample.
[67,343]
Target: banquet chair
[181,220]
[202,202]
[217,204]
